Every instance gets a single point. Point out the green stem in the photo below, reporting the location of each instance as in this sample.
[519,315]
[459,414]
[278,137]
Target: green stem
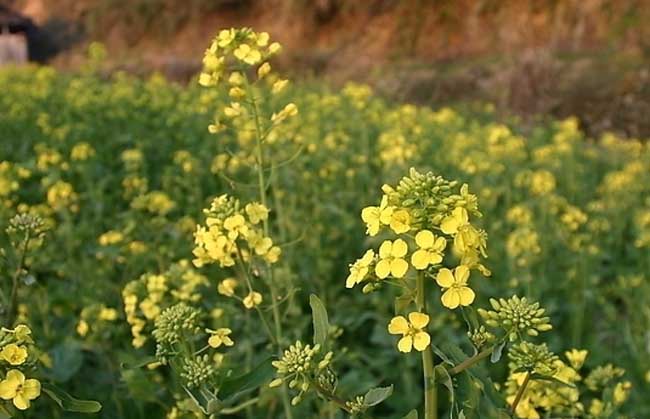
[430,395]
[520,393]
[470,362]
[262,191]
[15,283]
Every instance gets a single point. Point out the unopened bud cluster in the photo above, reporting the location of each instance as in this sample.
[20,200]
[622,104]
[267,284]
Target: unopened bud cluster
[516,316]
[176,322]
[198,371]
[302,366]
[526,356]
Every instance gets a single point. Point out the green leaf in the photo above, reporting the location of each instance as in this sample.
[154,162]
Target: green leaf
[442,355]
[260,374]
[67,359]
[413,414]
[69,403]
[4,413]
[319,316]
[497,352]
[374,396]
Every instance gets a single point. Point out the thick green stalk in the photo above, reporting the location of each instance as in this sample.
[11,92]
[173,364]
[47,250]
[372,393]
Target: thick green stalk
[430,394]
[262,191]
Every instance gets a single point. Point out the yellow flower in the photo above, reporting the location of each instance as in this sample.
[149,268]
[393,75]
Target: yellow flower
[256,212]
[247,54]
[263,70]
[107,314]
[412,331]
[596,408]
[452,223]
[374,217]
[430,252]
[14,354]
[274,48]
[279,86]
[22,333]
[253,299]
[359,269]
[576,357]
[15,387]
[289,110]
[82,328]
[262,39]
[273,255]
[219,337]
[235,109]
[235,225]
[455,285]
[621,392]
[391,255]
[225,37]
[227,287]
[259,243]
[400,221]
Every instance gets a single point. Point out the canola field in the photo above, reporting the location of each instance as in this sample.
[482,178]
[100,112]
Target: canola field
[248,246]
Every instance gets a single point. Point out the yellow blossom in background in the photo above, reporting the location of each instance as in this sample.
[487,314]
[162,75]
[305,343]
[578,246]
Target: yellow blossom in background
[391,259]
[20,390]
[576,357]
[256,212]
[227,287]
[263,70]
[412,331]
[279,86]
[252,300]
[219,337]
[14,354]
[83,328]
[456,292]
[430,250]
[110,238]
[359,269]
[288,111]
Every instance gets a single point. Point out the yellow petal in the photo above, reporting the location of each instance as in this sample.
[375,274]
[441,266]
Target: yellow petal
[385,249]
[8,389]
[31,389]
[462,274]
[405,344]
[466,296]
[399,249]
[420,259]
[351,281]
[450,299]
[421,341]
[434,258]
[21,402]
[418,320]
[439,245]
[382,269]
[398,326]
[398,267]
[449,225]
[424,239]
[461,215]
[445,278]
[370,214]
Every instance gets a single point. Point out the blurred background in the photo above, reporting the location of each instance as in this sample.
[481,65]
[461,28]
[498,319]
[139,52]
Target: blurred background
[587,58]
